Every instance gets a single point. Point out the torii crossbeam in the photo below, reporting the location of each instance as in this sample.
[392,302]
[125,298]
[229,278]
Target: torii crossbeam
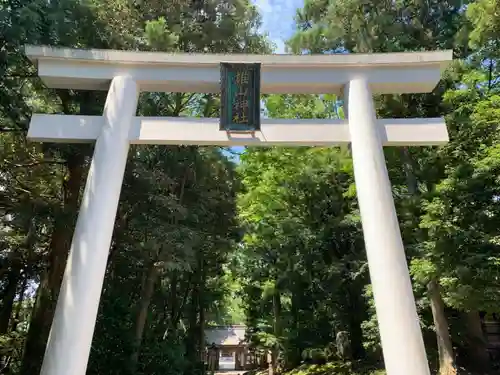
[124,74]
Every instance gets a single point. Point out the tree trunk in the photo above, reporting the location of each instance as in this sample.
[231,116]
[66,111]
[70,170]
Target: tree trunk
[201,338]
[201,308]
[177,304]
[196,317]
[295,353]
[277,332]
[355,320]
[478,353]
[192,340]
[354,313]
[147,292]
[173,295]
[409,168]
[14,276]
[22,292]
[8,298]
[46,296]
[445,348]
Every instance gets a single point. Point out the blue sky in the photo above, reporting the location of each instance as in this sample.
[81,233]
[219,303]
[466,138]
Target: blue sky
[277,17]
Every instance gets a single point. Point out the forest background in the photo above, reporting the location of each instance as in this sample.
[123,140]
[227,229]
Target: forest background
[272,240]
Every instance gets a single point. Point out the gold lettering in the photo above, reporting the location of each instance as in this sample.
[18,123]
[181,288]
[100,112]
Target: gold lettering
[242,77]
[240,118]
[241,101]
[240,104]
[243,118]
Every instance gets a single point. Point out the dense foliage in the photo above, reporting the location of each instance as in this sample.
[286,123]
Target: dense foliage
[273,241]
[308,280]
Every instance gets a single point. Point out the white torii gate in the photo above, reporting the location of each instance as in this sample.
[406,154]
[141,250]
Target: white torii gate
[125,74]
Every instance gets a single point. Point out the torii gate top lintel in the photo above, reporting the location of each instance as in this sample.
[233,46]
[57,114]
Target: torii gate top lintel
[404,72]
[408,72]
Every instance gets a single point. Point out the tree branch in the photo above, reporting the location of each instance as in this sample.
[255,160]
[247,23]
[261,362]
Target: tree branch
[36,163]
[12,130]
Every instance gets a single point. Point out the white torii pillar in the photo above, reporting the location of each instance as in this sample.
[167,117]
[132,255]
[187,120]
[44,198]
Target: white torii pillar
[402,343]
[72,330]
[70,339]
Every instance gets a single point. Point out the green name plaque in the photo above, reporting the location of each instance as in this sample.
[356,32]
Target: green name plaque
[240,97]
